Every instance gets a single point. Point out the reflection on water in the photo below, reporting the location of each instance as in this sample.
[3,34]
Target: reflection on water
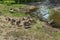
[43,12]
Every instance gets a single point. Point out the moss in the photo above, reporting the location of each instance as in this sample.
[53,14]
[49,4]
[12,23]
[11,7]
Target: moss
[55,15]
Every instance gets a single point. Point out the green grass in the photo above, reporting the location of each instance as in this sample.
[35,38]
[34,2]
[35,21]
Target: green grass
[5,9]
[36,32]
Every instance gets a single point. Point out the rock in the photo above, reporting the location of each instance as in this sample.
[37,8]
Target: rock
[26,25]
[55,15]
[24,18]
[54,1]
[25,22]
[18,22]
[50,22]
[28,9]
[13,21]
[31,9]
[8,19]
[22,23]
[56,8]
[11,10]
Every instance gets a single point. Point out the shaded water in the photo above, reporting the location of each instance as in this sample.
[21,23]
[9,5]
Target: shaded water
[43,11]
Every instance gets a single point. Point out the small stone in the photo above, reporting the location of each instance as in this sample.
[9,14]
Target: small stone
[13,21]
[8,19]
[26,24]
[18,22]
[11,10]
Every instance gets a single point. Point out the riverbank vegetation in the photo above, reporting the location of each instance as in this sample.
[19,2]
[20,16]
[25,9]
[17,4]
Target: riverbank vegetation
[55,15]
[13,28]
